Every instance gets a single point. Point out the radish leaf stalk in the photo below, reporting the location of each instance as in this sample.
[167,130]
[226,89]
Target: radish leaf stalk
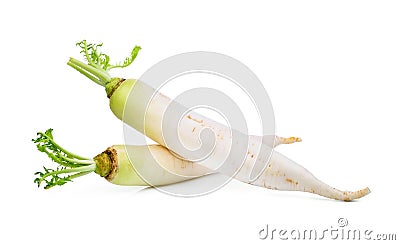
[69,162]
[45,143]
[99,63]
[113,164]
[102,61]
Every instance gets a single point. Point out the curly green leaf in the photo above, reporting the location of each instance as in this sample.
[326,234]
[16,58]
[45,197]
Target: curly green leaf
[98,63]
[68,162]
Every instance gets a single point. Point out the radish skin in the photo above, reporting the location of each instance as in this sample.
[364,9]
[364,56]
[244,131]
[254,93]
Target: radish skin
[285,174]
[148,119]
[161,164]
[281,173]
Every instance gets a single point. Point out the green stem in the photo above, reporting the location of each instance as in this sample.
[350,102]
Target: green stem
[78,161]
[73,155]
[68,161]
[73,176]
[89,168]
[86,73]
[99,63]
[102,75]
[56,158]
[85,50]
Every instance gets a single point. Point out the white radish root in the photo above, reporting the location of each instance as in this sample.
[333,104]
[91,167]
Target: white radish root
[281,173]
[285,174]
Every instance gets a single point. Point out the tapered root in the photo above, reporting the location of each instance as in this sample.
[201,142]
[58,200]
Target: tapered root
[284,174]
[346,196]
[283,140]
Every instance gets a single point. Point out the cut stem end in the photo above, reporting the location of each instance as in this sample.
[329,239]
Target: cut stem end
[107,163]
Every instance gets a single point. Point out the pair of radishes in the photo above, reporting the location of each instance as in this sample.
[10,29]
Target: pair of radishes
[164,164]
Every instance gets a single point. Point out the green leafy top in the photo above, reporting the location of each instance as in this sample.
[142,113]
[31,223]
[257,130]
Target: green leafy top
[99,63]
[68,162]
[97,59]
[45,143]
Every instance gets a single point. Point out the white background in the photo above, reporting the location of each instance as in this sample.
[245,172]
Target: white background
[331,69]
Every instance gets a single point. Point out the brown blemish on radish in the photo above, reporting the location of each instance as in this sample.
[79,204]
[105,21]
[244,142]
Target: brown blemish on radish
[289,180]
[194,119]
[267,170]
